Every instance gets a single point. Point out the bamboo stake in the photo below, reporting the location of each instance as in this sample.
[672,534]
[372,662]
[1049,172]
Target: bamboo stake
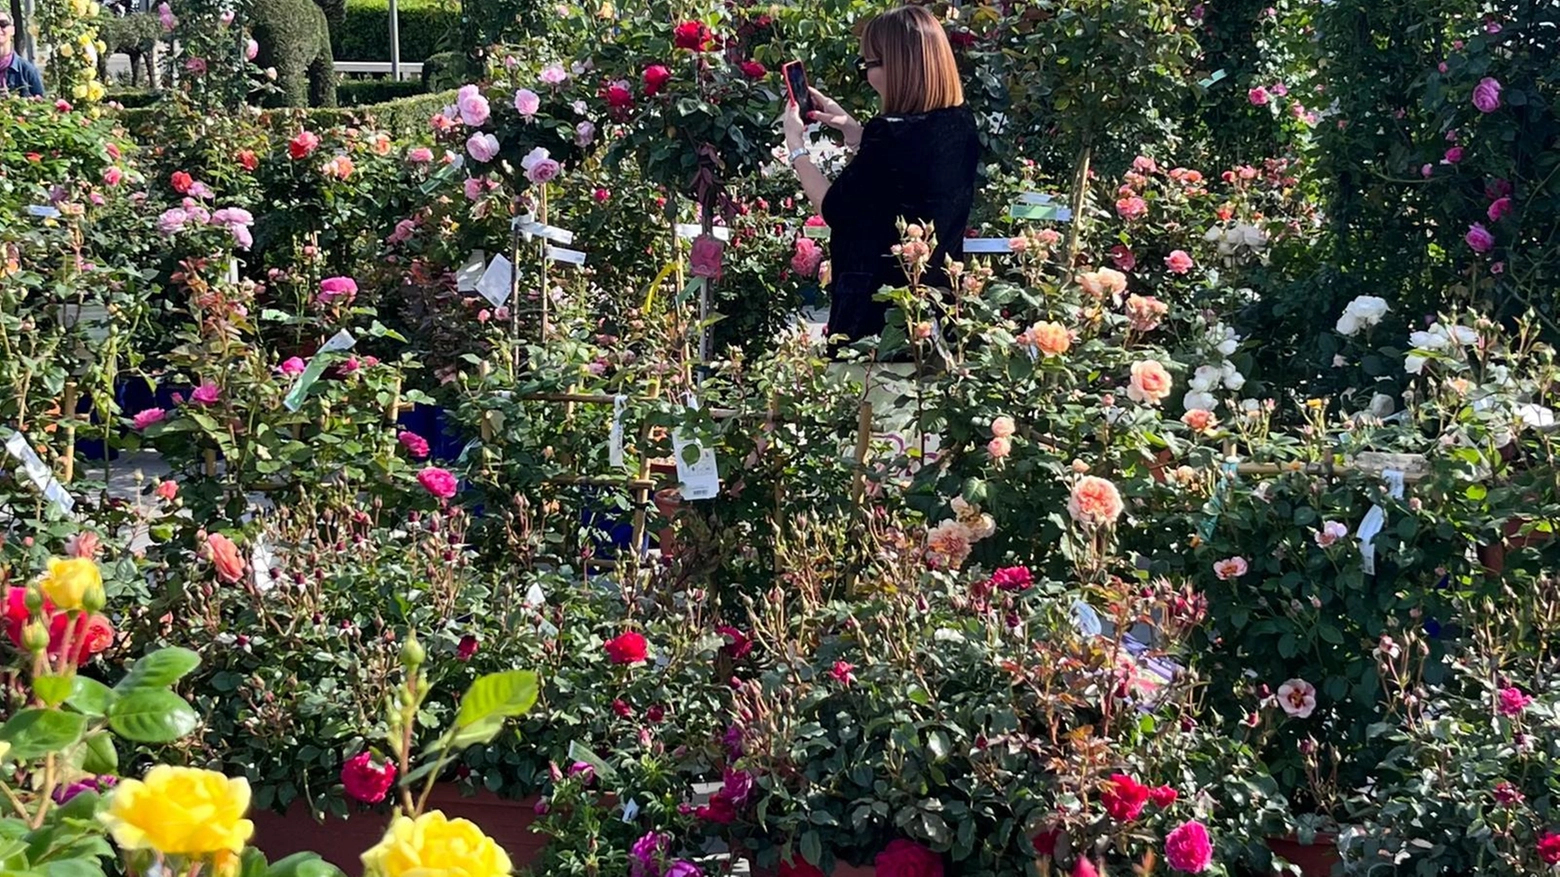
[68,410]
[863,444]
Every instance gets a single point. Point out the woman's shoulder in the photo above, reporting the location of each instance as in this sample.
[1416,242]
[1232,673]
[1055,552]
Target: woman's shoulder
[950,120]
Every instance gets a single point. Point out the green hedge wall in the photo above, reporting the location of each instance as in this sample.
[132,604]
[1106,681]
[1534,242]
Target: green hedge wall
[405,117]
[365,35]
[363,92]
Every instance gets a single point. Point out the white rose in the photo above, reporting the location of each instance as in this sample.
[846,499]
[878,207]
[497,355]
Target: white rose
[1434,339]
[1205,378]
[1348,324]
[1464,334]
[1199,400]
[1414,364]
[1233,379]
[1253,237]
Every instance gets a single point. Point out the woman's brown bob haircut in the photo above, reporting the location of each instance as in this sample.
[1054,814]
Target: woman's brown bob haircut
[910,44]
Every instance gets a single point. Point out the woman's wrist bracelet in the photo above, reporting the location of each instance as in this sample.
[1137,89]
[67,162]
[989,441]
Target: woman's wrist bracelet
[796,155]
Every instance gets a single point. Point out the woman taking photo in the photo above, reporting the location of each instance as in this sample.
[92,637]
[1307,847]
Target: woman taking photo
[916,160]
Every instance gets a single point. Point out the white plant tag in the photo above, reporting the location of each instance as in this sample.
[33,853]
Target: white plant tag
[339,342]
[44,210]
[496,280]
[701,478]
[529,227]
[38,472]
[262,559]
[535,596]
[987,245]
[690,230]
[468,275]
[1375,520]
[559,254]
[615,437]
[630,810]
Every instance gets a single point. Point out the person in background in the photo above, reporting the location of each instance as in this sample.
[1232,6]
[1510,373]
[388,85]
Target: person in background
[18,76]
[914,161]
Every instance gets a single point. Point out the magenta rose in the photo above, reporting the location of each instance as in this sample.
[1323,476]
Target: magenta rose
[438,482]
[1513,701]
[1500,208]
[366,781]
[1188,849]
[206,394]
[148,417]
[337,290]
[1479,238]
[1486,95]
[415,444]
[292,366]
[905,858]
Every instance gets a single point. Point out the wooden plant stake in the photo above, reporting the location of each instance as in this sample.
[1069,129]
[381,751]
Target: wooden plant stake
[68,411]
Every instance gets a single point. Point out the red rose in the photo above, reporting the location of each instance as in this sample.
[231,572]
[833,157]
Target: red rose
[1045,842]
[303,145]
[1163,796]
[622,708]
[905,858]
[366,781]
[754,70]
[247,159]
[1549,848]
[961,39]
[630,648]
[655,78]
[655,714]
[618,95]
[181,182]
[16,614]
[89,635]
[694,36]
[1124,797]
[737,643]
[467,649]
[720,810]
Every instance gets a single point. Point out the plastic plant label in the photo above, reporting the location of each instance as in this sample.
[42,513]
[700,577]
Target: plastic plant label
[987,245]
[45,211]
[466,278]
[816,232]
[535,596]
[1410,465]
[529,227]
[339,343]
[559,254]
[1375,520]
[701,478]
[630,810]
[690,230]
[38,472]
[496,281]
[262,559]
[1040,211]
[615,436]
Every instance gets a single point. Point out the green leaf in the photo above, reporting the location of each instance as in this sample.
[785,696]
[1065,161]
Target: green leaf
[304,865]
[102,756]
[71,868]
[37,732]
[938,743]
[52,690]
[918,695]
[159,670]
[157,716]
[90,697]
[812,847]
[498,695]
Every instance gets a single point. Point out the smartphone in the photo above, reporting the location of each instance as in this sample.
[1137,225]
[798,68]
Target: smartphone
[796,85]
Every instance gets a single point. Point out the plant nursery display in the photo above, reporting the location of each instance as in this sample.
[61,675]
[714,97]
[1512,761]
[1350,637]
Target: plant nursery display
[464,484]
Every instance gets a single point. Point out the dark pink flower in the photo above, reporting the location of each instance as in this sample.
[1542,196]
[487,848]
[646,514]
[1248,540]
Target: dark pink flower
[1500,208]
[842,674]
[467,648]
[366,781]
[1187,848]
[438,482]
[1512,701]
[415,444]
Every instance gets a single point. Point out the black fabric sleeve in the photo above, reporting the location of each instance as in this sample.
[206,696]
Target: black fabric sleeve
[868,183]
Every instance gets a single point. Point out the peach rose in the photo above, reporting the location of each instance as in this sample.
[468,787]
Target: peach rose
[1103,282]
[1094,502]
[1200,419]
[1051,339]
[1150,382]
[1002,427]
[1230,568]
[225,557]
[999,447]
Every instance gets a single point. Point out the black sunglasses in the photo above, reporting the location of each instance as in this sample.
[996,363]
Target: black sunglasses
[863,65]
[4,23]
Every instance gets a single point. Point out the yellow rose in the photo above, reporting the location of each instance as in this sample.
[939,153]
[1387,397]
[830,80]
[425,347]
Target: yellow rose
[79,92]
[68,582]
[434,846]
[180,811]
[95,91]
[66,50]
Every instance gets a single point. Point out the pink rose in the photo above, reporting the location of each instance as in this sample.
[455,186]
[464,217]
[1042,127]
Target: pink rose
[1500,208]
[807,257]
[366,781]
[292,367]
[999,447]
[527,102]
[112,175]
[1178,262]
[1258,96]
[148,417]
[419,155]
[415,444]
[473,188]
[543,171]
[206,394]
[905,858]
[1150,382]
[337,290]
[1486,95]
[472,105]
[1188,849]
[1479,238]
[1123,256]
[438,482]
[1131,207]
[1453,155]
[482,147]
[1512,701]
[251,50]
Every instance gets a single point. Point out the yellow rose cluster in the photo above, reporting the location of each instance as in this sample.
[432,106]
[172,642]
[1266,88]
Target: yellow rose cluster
[181,811]
[71,32]
[434,846]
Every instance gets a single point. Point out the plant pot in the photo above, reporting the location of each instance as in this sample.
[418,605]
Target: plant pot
[1493,556]
[342,841]
[1315,859]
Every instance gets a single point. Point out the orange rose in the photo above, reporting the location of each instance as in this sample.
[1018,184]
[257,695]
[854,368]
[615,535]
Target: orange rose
[1150,382]
[1103,282]
[225,557]
[1094,502]
[1200,419]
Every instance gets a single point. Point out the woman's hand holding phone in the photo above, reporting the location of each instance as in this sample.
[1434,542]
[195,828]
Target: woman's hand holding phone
[830,113]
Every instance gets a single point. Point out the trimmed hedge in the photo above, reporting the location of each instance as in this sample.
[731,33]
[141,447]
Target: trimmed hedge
[363,92]
[133,98]
[445,70]
[405,117]
[365,34]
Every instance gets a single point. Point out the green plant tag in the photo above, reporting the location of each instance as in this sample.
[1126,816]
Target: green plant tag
[340,342]
[1054,212]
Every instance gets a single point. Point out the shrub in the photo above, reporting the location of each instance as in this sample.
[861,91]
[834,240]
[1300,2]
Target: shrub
[365,34]
[361,92]
[444,70]
[401,118]
[134,98]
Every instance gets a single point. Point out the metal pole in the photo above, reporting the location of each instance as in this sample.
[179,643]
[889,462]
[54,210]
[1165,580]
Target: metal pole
[395,46]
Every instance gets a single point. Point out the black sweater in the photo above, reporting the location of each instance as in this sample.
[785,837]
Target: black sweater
[920,168]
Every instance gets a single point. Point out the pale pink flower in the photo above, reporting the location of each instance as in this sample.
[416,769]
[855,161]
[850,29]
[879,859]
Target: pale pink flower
[1150,382]
[1297,698]
[482,147]
[1258,96]
[1003,427]
[1094,502]
[527,102]
[553,74]
[419,155]
[1131,207]
[1145,312]
[1230,568]
[1330,533]
[1178,262]
[999,447]
[473,107]
[948,545]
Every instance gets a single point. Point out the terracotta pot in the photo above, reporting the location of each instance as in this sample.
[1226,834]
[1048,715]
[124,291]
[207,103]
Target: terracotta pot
[1493,556]
[1314,860]
[342,841]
